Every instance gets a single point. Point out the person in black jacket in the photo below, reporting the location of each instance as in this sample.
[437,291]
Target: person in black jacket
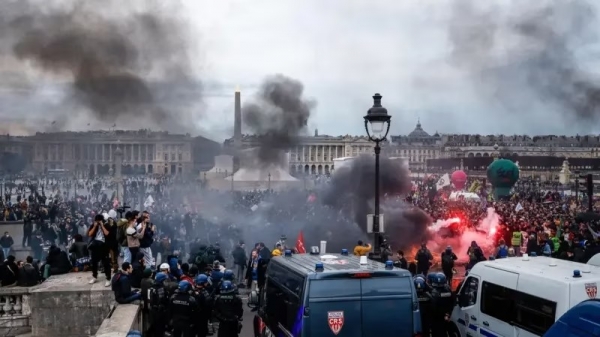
[147,240]
[6,243]
[239,262]
[57,262]
[10,272]
[137,272]
[29,275]
[121,285]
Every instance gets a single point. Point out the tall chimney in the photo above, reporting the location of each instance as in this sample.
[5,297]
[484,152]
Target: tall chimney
[237,124]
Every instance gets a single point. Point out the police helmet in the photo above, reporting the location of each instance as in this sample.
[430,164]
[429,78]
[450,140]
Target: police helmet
[228,275]
[201,279]
[160,277]
[438,280]
[184,286]
[226,287]
[420,283]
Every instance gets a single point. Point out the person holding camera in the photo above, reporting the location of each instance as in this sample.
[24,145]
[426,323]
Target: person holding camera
[99,249]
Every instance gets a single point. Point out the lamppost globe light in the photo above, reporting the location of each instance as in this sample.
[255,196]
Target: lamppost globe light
[377,121]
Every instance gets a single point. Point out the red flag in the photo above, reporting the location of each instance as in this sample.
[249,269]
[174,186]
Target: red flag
[311,198]
[300,244]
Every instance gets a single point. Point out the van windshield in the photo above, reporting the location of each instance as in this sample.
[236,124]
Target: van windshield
[377,286]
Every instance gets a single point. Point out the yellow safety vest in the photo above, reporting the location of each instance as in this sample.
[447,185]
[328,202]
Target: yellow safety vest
[516,239]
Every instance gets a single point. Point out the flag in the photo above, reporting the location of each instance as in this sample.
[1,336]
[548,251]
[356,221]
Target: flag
[443,182]
[53,122]
[311,198]
[474,186]
[300,244]
[115,125]
[519,207]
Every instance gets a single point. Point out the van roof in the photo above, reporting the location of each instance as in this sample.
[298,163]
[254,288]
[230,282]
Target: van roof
[559,270]
[305,264]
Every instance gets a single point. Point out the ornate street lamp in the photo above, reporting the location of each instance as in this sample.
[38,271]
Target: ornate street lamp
[377,124]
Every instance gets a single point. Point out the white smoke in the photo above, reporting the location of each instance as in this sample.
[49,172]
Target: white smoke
[483,235]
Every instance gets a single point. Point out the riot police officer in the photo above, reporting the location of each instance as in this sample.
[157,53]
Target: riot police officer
[158,302]
[442,304]
[228,276]
[228,311]
[425,306]
[183,310]
[204,300]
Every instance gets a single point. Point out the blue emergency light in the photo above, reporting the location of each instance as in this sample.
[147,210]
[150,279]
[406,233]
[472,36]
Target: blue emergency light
[288,252]
[533,254]
[345,252]
[576,273]
[319,267]
[389,264]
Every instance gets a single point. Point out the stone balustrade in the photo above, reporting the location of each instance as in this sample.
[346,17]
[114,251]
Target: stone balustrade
[15,311]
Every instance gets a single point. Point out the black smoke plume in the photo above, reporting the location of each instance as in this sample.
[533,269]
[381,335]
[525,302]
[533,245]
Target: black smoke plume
[528,54]
[278,115]
[107,52]
[352,190]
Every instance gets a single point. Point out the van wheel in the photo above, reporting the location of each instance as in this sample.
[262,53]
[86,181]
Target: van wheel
[453,331]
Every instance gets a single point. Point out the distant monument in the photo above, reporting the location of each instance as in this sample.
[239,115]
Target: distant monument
[118,178]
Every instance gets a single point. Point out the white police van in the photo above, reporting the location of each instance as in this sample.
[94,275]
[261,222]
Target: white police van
[520,296]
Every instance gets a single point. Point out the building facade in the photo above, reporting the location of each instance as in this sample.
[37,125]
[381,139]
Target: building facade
[417,147]
[92,153]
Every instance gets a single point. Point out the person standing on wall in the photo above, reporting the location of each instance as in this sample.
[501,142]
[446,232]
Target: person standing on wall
[99,249]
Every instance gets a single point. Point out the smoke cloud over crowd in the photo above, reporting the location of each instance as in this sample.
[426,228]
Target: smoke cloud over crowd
[527,54]
[123,64]
[352,189]
[278,115]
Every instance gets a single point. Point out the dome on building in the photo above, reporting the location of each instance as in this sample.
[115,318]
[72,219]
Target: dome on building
[418,132]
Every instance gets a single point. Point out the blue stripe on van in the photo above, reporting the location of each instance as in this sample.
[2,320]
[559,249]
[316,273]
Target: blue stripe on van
[474,328]
[487,333]
[461,322]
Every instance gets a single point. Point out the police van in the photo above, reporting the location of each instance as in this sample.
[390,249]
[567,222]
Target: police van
[520,296]
[583,320]
[335,295]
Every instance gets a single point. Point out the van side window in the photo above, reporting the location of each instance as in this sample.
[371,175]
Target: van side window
[528,312]
[534,314]
[469,290]
[496,301]
[282,307]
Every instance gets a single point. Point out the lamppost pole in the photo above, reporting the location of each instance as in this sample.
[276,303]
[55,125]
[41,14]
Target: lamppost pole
[377,125]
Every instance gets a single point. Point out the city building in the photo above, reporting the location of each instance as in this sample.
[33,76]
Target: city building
[92,152]
[417,147]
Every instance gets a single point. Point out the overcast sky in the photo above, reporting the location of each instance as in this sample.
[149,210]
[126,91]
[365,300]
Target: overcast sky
[344,51]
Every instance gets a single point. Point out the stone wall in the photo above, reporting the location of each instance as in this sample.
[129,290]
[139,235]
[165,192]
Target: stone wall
[15,311]
[122,319]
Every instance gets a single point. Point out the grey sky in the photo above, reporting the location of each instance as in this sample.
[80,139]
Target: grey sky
[346,50]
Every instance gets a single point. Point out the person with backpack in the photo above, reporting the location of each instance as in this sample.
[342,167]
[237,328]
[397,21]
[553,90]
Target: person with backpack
[502,250]
[475,255]
[121,285]
[423,259]
[158,301]
[448,259]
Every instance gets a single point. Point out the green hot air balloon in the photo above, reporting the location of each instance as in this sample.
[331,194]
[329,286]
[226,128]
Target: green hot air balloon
[502,174]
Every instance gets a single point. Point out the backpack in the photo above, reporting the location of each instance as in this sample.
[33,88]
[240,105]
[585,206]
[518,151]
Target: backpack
[447,261]
[502,252]
[422,257]
[114,284]
[156,297]
[472,255]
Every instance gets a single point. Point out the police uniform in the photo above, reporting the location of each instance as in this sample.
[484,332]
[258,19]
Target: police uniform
[425,309]
[183,310]
[228,310]
[204,311]
[158,302]
[442,304]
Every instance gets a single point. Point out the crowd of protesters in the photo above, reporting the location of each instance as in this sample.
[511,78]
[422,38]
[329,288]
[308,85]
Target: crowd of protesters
[64,221]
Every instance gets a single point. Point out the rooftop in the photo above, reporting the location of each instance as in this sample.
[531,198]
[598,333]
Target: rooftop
[306,263]
[540,266]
